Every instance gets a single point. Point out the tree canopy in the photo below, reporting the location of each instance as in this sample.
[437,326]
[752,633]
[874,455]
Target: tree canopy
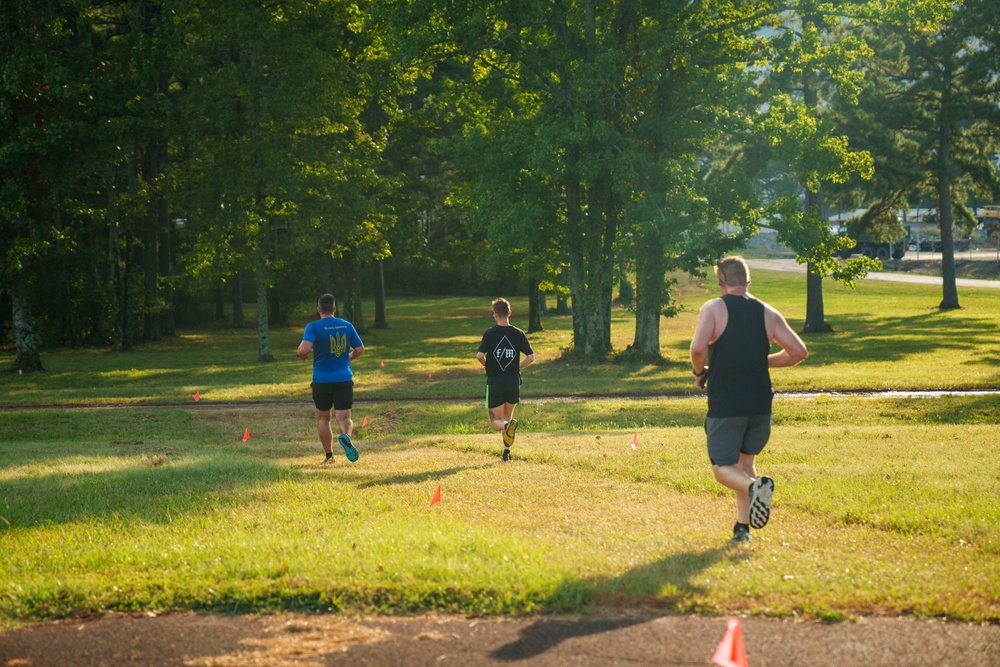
[162,152]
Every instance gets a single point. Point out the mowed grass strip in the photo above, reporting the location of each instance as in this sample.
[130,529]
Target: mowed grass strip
[883,507]
[886,336]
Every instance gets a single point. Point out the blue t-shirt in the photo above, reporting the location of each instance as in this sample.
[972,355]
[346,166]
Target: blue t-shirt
[332,339]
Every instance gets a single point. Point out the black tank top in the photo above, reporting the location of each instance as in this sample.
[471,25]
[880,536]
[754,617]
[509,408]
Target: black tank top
[739,384]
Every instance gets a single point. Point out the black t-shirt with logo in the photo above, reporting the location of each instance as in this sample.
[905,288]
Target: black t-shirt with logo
[503,346]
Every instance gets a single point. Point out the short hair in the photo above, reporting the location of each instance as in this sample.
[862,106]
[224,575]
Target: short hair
[501,307]
[327,304]
[733,271]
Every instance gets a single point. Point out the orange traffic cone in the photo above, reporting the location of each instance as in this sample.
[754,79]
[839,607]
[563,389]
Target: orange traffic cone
[365,422]
[437,496]
[246,435]
[635,441]
[197,396]
[731,651]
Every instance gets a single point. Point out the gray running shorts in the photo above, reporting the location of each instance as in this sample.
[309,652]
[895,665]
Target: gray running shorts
[728,437]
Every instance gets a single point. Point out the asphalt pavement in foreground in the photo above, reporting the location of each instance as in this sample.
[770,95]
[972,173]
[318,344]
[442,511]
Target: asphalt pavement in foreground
[635,639]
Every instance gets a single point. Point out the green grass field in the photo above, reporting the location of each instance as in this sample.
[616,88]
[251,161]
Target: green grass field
[884,506]
[888,336]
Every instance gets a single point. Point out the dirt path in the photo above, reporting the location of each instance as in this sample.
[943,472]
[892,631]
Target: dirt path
[637,639]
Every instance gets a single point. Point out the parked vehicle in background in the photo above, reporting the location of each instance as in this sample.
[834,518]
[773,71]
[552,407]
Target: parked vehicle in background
[990,222]
[869,247]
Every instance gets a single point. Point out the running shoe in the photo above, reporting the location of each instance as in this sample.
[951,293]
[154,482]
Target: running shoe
[506,454]
[508,433]
[761,491]
[741,533]
[349,449]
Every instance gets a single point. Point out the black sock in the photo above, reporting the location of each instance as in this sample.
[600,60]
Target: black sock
[329,455]
[744,525]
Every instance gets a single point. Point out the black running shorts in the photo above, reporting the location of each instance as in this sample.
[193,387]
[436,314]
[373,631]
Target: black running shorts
[336,395]
[502,389]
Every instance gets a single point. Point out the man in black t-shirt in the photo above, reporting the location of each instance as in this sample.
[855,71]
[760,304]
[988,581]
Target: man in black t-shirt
[731,353]
[500,353]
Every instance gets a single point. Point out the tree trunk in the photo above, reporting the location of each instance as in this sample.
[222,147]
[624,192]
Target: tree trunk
[574,242]
[119,288]
[28,358]
[534,306]
[590,270]
[274,304]
[168,321]
[949,288]
[815,322]
[815,316]
[150,277]
[131,273]
[626,294]
[378,279]
[220,303]
[239,318]
[352,305]
[263,331]
[649,272]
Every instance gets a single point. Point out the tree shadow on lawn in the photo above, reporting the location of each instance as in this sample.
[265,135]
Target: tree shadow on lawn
[898,338]
[152,490]
[887,338]
[646,581]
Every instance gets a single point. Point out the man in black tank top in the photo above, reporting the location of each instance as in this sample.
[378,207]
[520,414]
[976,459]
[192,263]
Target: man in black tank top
[731,355]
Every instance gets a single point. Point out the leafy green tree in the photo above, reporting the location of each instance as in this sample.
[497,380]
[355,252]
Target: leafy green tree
[40,60]
[814,62]
[929,113]
[272,106]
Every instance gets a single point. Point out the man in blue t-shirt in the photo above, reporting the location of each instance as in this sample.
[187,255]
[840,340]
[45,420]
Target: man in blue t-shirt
[334,344]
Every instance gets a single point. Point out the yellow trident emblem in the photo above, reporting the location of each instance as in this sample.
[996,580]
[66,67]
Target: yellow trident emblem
[338,344]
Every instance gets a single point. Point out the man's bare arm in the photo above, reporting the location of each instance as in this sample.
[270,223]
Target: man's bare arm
[793,350]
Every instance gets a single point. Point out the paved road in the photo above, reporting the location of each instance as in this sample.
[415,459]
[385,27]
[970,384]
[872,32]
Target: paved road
[790,265]
[637,639]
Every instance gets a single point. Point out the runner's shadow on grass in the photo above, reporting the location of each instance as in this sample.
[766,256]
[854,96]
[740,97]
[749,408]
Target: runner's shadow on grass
[663,582]
[416,478]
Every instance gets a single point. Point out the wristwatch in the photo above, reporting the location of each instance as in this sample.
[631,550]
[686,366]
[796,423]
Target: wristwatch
[697,374]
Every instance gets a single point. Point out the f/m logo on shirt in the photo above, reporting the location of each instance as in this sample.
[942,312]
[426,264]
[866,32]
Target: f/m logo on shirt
[504,353]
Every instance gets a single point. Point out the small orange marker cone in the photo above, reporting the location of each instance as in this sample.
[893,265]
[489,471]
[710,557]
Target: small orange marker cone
[246,435]
[430,375]
[635,441]
[382,364]
[437,496]
[197,396]
[365,422]
[731,651]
